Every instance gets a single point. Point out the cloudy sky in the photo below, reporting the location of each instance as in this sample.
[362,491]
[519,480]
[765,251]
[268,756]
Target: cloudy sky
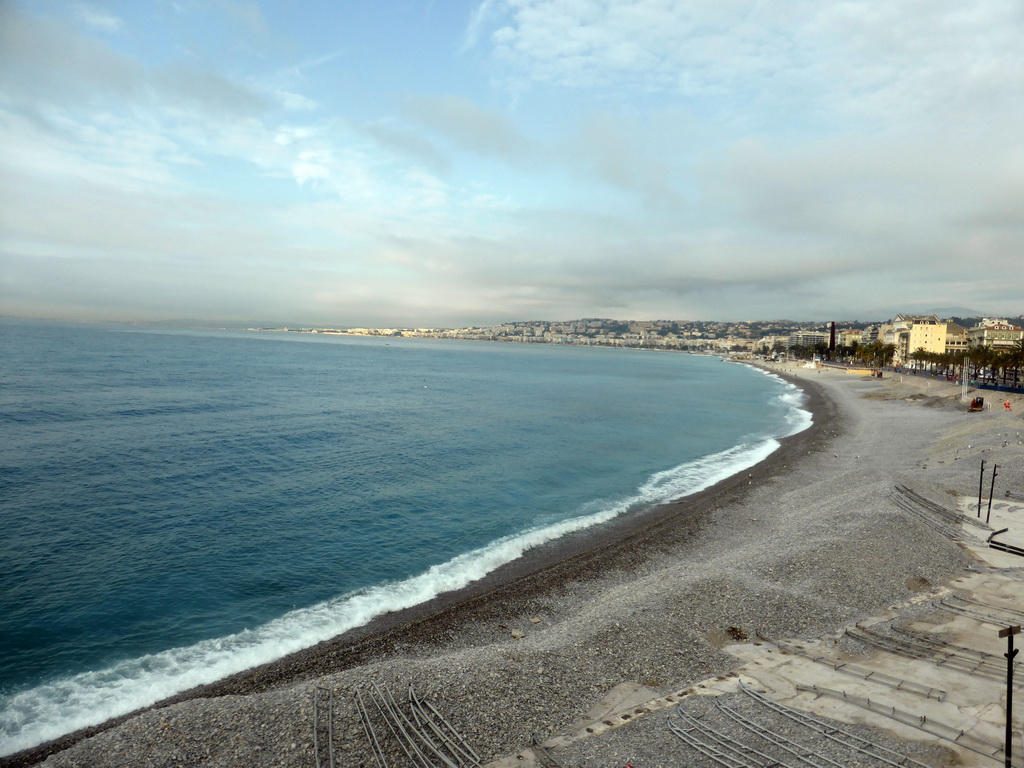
[453,162]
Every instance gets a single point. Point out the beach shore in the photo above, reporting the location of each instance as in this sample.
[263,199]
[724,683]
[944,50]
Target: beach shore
[805,542]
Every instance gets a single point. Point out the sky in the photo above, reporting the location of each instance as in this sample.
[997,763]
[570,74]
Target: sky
[446,163]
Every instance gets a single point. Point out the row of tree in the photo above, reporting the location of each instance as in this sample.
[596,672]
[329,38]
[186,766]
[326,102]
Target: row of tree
[984,364]
[874,355]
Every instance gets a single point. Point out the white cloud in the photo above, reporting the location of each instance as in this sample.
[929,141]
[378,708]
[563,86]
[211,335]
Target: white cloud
[49,144]
[426,191]
[477,20]
[490,202]
[311,166]
[854,59]
[98,18]
[297,101]
[288,134]
[645,43]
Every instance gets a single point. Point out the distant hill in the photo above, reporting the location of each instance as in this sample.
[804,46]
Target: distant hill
[944,311]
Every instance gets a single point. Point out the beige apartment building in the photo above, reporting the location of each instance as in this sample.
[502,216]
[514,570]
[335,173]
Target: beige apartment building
[847,337]
[927,332]
[883,333]
[773,343]
[914,332]
[995,333]
[956,339]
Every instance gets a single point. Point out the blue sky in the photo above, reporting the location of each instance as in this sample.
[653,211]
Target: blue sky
[354,163]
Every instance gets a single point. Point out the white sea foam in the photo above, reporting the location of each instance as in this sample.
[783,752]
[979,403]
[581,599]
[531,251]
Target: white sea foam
[53,709]
[797,417]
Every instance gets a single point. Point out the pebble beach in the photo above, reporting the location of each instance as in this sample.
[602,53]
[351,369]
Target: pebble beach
[805,542]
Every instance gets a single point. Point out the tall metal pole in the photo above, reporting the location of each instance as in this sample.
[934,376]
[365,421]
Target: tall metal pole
[981,483]
[991,490]
[963,379]
[1008,633]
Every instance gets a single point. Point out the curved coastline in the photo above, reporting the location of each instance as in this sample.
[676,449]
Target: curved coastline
[618,545]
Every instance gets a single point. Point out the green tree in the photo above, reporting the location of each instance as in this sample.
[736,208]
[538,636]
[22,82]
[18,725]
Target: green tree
[920,357]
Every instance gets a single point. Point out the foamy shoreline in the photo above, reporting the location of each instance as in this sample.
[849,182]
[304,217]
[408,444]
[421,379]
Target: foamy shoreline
[646,602]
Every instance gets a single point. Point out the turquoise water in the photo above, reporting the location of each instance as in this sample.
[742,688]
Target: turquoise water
[181,505]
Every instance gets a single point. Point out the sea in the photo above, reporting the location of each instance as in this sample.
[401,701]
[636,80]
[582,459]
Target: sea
[179,505]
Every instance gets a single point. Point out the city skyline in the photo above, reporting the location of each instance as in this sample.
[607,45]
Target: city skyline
[404,164]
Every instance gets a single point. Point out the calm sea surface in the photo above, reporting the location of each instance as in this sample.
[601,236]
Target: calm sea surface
[179,505]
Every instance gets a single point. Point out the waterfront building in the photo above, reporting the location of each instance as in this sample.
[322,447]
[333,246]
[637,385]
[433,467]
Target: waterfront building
[996,333]
[846,337]
[807,339]
[956,339]
[773,343]
[914,332]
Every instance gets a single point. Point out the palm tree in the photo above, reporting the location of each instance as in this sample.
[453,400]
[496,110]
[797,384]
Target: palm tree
[1015,360]
[920,356]
[1001,365]
[948,361]
[888,352]
[876,353]
[937,359]
[980,358]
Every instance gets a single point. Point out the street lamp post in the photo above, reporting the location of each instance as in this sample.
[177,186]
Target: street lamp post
[981,483]
[1008,633]
[991,490]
